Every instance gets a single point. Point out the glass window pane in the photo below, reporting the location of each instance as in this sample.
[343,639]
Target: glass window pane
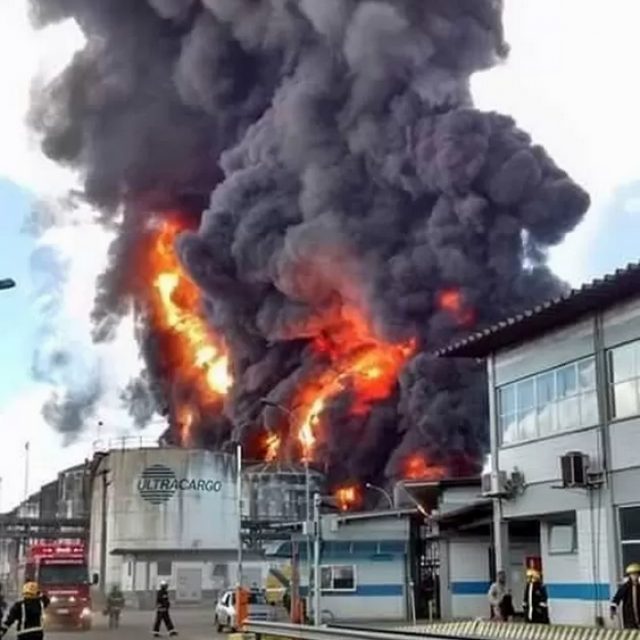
[527,428]
[507,400]
[525,395]
[546,419]
[568,413]
[625,399]
[343,577]
[326,578]
[587,374]
[630,554]
[567,381]
[589,409]
[622,363]
[545,388]
[509,428]
[630,525]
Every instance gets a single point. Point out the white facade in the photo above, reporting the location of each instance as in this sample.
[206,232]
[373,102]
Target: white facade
[575,389]
[171,514]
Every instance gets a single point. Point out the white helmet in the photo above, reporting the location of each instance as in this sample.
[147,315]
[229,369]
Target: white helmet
[163,583]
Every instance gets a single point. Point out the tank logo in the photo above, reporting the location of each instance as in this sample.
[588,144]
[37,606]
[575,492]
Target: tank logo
[158,484]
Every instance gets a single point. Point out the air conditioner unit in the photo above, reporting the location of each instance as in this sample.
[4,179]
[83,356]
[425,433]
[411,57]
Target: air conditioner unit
[494,484]
[574,467]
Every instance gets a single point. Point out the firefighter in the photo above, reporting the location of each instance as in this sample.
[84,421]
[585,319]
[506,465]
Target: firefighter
[162,611]
[535,603]
[28,614]
[115,605]
[628,595]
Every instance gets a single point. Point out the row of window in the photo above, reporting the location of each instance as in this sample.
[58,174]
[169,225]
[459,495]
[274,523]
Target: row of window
[565,399]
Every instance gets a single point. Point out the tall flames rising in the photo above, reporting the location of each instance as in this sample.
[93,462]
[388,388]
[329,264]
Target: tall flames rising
[199,359]
[352,358]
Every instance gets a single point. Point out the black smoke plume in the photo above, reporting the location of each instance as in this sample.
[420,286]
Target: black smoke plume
[345,164]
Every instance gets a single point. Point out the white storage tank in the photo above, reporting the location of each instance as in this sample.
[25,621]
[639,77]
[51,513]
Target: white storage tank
[165,499]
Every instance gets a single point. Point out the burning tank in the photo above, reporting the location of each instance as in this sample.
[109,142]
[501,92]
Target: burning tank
[277,492]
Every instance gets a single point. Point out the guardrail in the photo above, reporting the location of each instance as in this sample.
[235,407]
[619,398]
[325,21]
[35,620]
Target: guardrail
[304,632]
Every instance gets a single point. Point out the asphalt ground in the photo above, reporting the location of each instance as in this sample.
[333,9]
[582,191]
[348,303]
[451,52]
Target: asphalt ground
[191,624]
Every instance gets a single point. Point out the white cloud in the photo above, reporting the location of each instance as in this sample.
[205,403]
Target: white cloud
[571,82]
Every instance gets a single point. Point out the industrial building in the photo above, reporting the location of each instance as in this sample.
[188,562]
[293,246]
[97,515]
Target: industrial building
[564,395]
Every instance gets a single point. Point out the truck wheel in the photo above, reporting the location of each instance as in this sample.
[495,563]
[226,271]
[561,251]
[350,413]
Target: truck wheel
[219,627]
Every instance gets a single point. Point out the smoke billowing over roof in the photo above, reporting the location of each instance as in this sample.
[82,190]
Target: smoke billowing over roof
[327,157]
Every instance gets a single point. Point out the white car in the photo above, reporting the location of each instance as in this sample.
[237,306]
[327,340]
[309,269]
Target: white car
[259,609]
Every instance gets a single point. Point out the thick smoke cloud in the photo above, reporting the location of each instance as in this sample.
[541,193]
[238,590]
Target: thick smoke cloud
[345,162]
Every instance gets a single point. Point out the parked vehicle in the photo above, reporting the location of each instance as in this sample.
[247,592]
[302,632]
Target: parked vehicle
[258,609]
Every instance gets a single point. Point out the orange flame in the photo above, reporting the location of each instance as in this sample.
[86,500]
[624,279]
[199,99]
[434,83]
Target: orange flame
[199,356]
[417,468]
[272,447]
[359,362]
[346,497]
[451,301]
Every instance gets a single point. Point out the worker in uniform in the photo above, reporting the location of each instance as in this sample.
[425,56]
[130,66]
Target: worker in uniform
[115,605]
[162,611]
[535,604]
[27,614]
[628,598]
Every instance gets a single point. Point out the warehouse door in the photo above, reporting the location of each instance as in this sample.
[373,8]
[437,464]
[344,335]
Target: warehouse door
[189,585]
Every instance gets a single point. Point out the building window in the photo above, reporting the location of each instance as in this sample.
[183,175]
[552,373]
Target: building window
[624,380]
[561,399]
[562,534]
[629,520]
[164,568]
[338,578]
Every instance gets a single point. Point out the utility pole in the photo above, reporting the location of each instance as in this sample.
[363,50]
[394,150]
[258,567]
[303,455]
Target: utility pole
[239,504]
[317,541]
[103,530]
[26,470]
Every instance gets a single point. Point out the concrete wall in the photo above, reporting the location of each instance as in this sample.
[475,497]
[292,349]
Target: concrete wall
[577,580]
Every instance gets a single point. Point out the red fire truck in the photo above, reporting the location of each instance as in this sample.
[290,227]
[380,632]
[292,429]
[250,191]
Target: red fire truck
[61,571]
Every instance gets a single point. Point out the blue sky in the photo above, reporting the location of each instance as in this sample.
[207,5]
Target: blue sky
[17,321]
[574,92]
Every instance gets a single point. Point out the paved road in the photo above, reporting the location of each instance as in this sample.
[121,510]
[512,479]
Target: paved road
[192,624]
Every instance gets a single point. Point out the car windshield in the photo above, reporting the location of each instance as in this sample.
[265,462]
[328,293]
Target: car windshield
[56,574]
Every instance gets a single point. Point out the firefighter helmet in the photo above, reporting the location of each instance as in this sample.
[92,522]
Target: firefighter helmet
[634,567]
[533,574]
[30,590]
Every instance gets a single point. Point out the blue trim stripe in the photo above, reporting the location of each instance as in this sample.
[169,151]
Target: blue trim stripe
[364,591]
[470,588]
[556,591]
[577,591]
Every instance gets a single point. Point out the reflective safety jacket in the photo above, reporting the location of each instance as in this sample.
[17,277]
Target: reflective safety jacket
[27,614]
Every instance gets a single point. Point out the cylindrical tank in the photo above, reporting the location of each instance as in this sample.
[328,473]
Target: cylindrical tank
[277,492]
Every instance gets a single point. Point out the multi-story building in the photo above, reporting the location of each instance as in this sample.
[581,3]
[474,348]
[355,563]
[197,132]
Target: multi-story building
[564,391]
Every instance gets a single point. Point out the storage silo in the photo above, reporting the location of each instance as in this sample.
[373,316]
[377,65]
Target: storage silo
[278,492]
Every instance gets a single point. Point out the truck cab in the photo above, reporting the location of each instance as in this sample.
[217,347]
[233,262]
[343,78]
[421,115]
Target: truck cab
[62,573]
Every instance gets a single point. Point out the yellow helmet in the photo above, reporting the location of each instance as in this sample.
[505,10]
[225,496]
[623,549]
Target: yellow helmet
[30,590]
[634,567]
[533,574]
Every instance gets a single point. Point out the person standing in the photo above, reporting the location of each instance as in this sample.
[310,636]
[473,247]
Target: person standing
[627,598]
[115,605]
[27,614]
[535,602]
[496,595]
[163,604]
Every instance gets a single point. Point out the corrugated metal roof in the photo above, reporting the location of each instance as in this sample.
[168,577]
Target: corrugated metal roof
[596,296]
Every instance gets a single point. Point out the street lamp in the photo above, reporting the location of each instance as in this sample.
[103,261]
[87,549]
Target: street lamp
[7,283]
[307,489]
[384,492]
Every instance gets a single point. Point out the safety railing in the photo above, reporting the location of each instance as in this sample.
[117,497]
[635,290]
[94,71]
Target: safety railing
[303,632]
[124,442]
[467,630]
